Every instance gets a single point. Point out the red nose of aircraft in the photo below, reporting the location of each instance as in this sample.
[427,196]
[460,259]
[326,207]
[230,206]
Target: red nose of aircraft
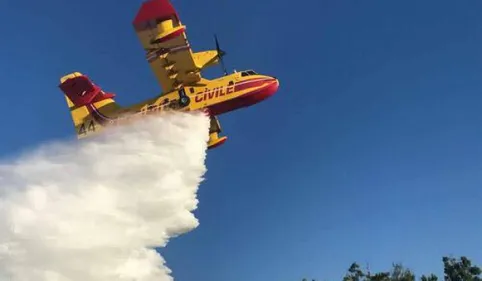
[272,87]
[262,88]
[269,88]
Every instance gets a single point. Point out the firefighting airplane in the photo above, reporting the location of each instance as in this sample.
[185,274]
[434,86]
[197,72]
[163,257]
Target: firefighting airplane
[178,71]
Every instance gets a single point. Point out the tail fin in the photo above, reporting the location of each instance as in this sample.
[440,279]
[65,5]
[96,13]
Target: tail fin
[89,105]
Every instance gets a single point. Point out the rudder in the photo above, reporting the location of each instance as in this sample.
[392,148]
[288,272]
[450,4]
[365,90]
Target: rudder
[89,105]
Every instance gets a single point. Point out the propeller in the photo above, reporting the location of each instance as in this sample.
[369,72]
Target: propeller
[220,55]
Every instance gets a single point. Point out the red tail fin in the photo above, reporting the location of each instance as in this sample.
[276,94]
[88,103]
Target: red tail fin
[81,90]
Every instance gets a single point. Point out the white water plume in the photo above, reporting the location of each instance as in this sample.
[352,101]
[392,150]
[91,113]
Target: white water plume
[93,210]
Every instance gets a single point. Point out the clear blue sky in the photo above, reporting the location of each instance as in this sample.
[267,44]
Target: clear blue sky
[371,151]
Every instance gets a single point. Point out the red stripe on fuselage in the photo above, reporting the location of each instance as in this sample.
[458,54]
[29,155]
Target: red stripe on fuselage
[243,85]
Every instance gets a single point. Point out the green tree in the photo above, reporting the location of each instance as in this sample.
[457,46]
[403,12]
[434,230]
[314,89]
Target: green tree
[354,273]
[460,270]
[432,277]
[399,273]
[454,270]
[379,276]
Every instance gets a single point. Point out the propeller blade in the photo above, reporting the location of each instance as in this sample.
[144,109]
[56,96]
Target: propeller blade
[221,53]
[217,42]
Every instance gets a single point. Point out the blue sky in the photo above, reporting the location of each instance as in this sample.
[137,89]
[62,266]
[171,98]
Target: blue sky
[370,151]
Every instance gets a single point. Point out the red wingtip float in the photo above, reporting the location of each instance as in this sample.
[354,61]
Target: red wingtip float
[153,10]
[178,71]
[156,11]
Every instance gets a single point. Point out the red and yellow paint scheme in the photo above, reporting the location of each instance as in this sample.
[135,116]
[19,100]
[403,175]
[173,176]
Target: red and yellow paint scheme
[178,71]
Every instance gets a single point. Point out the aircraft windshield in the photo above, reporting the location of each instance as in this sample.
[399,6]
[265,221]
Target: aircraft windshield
[248,73]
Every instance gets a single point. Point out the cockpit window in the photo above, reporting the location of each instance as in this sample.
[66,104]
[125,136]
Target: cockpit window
[248,73]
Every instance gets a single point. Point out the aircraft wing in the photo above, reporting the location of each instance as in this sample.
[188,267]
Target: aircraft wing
[167,49]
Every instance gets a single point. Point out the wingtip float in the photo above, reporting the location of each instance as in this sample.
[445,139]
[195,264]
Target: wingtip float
[178,71]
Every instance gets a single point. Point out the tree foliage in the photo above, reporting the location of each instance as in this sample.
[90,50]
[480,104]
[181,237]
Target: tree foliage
[460,269]
[398,273]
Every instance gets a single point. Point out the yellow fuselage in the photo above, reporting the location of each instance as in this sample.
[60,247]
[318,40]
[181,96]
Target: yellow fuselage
[217,96]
